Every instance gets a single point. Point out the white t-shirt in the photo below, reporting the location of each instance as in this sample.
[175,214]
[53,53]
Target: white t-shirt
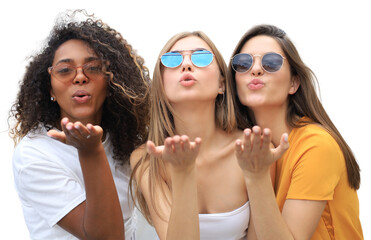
[49,182]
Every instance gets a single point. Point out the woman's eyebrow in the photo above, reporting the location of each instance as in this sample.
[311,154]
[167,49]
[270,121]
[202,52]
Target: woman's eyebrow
[197,49]
[190,50]
[89,59]
[65,60]
[69,60]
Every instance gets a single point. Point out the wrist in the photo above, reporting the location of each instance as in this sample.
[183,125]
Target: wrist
[91,152]
[182,174]
[255,178]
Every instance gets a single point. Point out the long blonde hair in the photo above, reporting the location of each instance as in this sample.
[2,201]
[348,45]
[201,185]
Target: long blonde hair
[162,123]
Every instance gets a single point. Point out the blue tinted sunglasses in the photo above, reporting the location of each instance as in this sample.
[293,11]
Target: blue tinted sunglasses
[271,62]
[199,58]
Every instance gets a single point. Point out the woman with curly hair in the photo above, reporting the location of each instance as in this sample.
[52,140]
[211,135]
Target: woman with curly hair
[82,108]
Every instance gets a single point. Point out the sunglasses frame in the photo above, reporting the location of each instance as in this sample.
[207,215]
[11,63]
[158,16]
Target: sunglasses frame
[50,69]
[191,52]
[261,62]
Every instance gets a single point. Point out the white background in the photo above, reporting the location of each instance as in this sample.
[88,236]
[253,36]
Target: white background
[333,38]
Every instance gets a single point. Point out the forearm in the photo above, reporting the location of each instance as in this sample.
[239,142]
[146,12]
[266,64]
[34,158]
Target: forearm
[184,222]
[264,210]
[102,217]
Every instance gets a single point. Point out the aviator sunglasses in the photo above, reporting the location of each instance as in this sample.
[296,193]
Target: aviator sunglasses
[270,62]
[199,58]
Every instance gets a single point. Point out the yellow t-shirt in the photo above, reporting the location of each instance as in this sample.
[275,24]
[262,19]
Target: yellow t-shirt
[313,168]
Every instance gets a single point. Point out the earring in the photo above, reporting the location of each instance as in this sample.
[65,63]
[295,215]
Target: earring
[52,99]
[222,92]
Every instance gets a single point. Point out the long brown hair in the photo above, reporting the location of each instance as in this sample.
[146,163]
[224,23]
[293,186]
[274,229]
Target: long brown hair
[162,122]
[304,102]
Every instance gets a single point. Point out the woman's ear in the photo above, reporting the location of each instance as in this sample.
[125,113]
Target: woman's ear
[107,63]
[52,95]
[221,85]
[295,83]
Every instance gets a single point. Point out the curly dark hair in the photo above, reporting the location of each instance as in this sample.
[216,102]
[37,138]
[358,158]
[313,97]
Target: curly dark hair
[126,108]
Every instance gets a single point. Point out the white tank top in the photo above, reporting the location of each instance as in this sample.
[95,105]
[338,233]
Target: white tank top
[225,226]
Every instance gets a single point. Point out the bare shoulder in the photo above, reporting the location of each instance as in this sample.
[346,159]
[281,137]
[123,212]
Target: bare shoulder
[237,134]
[226,141]
[136,155]
[233,136]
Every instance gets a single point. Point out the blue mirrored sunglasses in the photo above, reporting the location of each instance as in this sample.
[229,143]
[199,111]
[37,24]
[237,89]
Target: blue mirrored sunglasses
[199,58]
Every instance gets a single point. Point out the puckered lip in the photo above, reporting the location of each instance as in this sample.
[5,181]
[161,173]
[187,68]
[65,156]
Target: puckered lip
[186,77]
[256,81]
[80,93]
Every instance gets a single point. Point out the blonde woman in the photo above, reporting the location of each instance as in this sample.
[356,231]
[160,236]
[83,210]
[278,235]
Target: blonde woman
[188,182]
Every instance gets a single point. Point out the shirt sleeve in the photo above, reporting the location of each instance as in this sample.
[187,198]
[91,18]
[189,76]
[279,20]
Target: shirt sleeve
[317,169]
[50,188]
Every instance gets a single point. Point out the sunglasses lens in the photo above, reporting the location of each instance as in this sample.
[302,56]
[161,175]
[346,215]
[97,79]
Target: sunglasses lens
[242,62]
[93,69]
[67,72]
[63,72]
[202,58]
[272,62]
[171,59]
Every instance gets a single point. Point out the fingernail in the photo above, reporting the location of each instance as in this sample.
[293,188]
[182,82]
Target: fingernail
[286,137]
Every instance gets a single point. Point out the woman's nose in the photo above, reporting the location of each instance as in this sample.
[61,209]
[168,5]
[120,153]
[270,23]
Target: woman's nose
[187,64]
[80,77]
[256,68]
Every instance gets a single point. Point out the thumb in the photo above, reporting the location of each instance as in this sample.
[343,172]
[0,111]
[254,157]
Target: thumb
[196,144]
[281,149]
[153,150]
[60,136]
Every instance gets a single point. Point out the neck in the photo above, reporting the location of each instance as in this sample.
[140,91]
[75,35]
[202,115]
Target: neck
[275,119]
[195,120]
